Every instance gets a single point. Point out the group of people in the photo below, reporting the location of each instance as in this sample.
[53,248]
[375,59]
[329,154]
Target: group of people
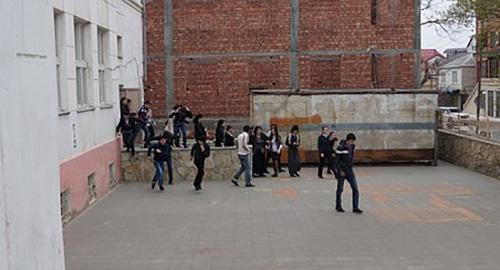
[252,143]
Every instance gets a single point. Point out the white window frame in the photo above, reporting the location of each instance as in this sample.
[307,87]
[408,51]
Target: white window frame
[454,76]
[103,64]
[59,41]
[82,63]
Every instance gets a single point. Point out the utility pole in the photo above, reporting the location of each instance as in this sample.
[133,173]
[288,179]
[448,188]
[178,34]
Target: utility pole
[479,61]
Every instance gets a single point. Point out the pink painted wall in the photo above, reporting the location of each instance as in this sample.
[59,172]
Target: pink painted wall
[75,171]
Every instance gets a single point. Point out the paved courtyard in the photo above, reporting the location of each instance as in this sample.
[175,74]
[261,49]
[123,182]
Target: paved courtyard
[416,217]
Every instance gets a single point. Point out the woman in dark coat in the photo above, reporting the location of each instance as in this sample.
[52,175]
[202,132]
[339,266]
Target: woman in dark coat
[293,143]
[219,133]
[259,150]
[275,149]
[199,129]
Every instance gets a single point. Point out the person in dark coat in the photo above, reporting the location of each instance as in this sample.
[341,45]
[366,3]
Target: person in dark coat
[275,147]
[258,141]
[324,150]
[200,131]
[332,138]
[199,153]
[344,162]
[229,137]
[129,128]
[162,153]
[293,143]
[219,133]
[180,114]
[146,121]
[124,106]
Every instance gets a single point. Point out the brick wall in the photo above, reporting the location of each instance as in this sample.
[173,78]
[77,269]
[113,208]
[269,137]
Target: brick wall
[223,48]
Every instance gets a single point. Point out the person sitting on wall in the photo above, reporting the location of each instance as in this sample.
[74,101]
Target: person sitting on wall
[199,153]
[162,153]
[128,127]
[200,131]
[219,133]
[229,137]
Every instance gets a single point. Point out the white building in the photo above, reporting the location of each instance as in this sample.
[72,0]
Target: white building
[98,49]
[458,78]
[59,89]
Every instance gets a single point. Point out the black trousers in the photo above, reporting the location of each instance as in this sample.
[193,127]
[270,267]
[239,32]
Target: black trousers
[199,175]
[329,161]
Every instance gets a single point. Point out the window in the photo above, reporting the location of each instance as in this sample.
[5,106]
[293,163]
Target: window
[91,189]
[497,104]
[454,77]
[119,47]
[65,207]
[102,56]
[490,99]
[62,96]
[82,63]
[442,77]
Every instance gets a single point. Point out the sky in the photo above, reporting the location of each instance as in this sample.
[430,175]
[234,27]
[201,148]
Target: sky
[434,38]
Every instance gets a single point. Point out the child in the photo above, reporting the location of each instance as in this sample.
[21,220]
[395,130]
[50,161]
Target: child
[199,153]
[162,153]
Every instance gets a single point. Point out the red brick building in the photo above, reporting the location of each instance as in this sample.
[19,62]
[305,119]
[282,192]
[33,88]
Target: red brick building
[210,54]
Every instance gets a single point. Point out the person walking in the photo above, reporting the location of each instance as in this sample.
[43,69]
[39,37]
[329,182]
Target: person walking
[162,153]
[332,138]
[229,137]
[344,157]
[244,151]
[275,149]
[219,133]
[199,153]
[293,143]
[324,150]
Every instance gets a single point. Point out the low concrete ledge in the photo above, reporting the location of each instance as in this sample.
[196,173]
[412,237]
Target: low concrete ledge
[221,165]
[470,152]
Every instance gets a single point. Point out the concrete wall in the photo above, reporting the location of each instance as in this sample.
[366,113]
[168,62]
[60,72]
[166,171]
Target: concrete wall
[391,126]
[86,134]
[30,224]
[470,152]
[220,166]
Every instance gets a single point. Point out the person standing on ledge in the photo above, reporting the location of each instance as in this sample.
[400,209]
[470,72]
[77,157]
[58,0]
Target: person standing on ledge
[199,153]
[344,157]
[293,143]
[325,151]
[244,151]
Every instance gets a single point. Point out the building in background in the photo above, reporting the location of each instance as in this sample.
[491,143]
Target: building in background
[457,80]
[430,59]
[98,48]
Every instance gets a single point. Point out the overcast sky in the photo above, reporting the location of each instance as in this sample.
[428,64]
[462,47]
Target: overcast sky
[434,38]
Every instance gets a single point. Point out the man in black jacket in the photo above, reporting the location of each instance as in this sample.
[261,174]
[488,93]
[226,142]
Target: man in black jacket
[129,128]
[199,153]
[344,157]
[325,151]
[162,153]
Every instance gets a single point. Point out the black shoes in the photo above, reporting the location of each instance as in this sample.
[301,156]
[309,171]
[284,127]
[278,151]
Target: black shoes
[197,188]
[357,211]
[281,170]
[249,185]
[162,188]
[339,209]
[275,175]
[153,185]
[235,182]
[320,177]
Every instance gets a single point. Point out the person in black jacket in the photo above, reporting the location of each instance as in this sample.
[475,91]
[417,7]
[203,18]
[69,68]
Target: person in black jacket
[200,131]
[275,147]
[180,114]
[259,143]
[344,158]
[162,153]
[229,137]
[332,138]
[199,153]
[324,149]
[129,128]
[219,133]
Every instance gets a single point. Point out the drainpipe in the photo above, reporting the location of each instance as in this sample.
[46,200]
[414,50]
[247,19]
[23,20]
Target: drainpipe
[144,47]
[479,62]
